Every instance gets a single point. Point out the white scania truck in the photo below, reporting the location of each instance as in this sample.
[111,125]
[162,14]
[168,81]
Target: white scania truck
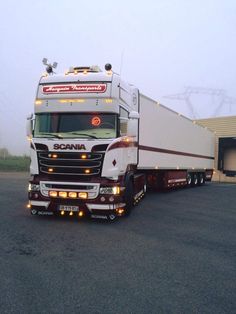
[97,144]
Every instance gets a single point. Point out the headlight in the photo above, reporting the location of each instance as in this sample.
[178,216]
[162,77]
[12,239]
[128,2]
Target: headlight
[115,190]
[33,187]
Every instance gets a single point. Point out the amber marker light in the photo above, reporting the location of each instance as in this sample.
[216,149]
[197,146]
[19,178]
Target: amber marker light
[71,213]
[127,139]
[81,214]
[83,195]
[120,211]
[63,194]
[50,169]
[83,156]
[72,194]
[28,205]
[79,100]
[54,156]
[108,100]
[62,212]
[53,193]
[87,171]
[38,102]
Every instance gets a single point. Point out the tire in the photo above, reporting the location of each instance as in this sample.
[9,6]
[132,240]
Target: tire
[144,189]
[129,197]
[195,180]
[201,179]
[189,179]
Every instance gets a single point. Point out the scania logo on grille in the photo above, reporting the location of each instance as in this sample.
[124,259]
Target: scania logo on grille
[69,146]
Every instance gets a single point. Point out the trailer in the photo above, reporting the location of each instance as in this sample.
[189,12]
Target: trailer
[173,150]
[97,144]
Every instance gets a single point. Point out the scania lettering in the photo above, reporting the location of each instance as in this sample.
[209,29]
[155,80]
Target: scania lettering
[69,146]
[97,145]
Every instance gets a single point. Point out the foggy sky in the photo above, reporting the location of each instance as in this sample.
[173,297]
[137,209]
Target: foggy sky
[159,46]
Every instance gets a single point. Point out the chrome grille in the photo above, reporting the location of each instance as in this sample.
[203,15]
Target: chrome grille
[70,163]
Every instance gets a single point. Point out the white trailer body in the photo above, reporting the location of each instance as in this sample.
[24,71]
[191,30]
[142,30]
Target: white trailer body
[168,140]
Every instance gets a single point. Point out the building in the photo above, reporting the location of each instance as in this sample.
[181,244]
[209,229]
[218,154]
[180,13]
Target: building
[225,147]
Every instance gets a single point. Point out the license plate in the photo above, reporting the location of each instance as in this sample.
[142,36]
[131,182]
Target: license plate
[69,208]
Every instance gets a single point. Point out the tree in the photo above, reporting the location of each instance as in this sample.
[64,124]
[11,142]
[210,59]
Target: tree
[4,153]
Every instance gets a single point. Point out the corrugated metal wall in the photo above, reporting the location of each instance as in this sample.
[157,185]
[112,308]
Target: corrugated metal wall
[223,127]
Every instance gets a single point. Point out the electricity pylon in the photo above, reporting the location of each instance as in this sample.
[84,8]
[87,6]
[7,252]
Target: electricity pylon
[223,99]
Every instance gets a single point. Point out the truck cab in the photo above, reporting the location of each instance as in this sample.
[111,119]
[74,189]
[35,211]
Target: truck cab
[83,144]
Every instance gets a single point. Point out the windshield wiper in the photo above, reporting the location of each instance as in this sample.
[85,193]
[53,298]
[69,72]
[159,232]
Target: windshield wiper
[53,135]
[83,134]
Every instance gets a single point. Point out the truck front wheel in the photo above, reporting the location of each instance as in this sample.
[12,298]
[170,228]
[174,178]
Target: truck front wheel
[129,197]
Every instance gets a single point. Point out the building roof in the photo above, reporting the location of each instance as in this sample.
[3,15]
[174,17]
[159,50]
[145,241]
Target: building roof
[222,126]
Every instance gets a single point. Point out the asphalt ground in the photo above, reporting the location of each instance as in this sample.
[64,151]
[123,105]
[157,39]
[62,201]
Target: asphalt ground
[176,253]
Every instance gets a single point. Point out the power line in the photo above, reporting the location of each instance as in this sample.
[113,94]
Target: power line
[189,91]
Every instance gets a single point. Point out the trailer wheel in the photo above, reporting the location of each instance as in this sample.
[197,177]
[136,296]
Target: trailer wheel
[201,179]
[189,179]
[195,180]
[144,189]
[129,197]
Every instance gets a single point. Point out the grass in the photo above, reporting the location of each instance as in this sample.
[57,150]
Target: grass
[14,163]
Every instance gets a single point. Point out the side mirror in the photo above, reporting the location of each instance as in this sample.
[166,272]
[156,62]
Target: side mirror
[133,124]
[29,126]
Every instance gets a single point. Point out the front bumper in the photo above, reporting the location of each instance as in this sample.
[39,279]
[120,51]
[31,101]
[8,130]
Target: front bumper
[95,204]
[88,208]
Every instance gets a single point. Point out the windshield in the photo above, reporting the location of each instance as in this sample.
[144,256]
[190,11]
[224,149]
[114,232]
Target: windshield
[76,125]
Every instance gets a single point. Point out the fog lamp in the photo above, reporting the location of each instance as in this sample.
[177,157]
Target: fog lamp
[83,195]
[72,194]
[53,193]
[63,194]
